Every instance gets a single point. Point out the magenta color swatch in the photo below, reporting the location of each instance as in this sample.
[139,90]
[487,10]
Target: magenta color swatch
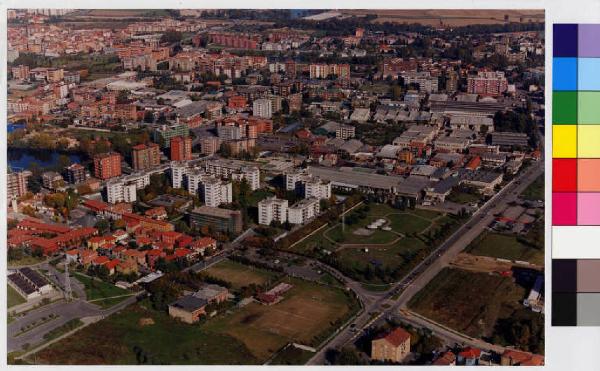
[564,208]
[588,208]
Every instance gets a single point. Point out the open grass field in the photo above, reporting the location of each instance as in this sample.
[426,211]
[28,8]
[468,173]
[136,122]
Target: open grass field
[390,255]
[304,316]
[505,246]
[240,275]
[463,197]
[403,222]
[95,289]
[292,356]
[121,340]
[25,260]
[247,335]
[450,17]
[469,302]
[13,297]
[535,191]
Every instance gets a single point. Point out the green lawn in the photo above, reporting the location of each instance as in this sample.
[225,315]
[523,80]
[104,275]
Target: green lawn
[505,246]
[535,191]
[25,260]
[14,298]
[382,264]
[95,289]
[121,340]
[463,197]
[292,356]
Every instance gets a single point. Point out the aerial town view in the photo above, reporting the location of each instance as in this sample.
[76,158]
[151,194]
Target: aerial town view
[275,187]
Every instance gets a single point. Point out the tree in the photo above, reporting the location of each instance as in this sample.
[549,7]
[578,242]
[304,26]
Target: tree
[102,226]
[225,150]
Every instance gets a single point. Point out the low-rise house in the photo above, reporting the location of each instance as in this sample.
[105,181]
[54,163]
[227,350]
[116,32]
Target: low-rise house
[512,357]
[446,359]
[188,308]
[468,357]
[391,347]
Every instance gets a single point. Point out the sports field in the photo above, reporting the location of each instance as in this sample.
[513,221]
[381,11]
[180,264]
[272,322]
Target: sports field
[306,316]
[240,275]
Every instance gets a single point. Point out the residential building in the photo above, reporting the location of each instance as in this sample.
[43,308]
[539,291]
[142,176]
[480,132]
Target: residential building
[488,83]
[107,165]
[272,209]
[120,191]
[216,192]
[303,211]
[52,180]
[17,184]
[392,347]
[75,173]
[145,156]
[181,149]
[344,131]
[165,133]
[262,108]
[235,170]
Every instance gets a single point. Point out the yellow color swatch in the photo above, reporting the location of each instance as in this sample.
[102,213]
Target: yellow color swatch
[564,141]
[588,141]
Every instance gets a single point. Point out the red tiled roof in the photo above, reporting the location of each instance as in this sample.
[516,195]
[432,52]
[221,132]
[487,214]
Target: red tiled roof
[523,358]
[100,260]
[397,336]
[112,264]
[470,353]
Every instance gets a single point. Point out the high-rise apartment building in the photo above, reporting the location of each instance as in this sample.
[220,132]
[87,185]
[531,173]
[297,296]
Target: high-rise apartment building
[181,149]
[145,156]
[107,165]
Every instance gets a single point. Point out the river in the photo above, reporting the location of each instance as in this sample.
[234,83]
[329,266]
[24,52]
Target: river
[23,158]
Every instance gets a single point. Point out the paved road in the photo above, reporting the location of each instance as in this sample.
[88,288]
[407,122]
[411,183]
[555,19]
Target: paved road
[449,336]
[415,280]
[66,312]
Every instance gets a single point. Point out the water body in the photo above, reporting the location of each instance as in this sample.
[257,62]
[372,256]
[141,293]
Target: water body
[23,158]
[12,127]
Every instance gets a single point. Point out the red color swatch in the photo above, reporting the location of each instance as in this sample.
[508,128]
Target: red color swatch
[564,175]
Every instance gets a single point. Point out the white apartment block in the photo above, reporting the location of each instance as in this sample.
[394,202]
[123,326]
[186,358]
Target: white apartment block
[235,170]
[309,186]
[195,178]
[303,211]
[272,208]
[216,192]
[316,188]
[120,191]
[345,131]
[178,172]
[262,108]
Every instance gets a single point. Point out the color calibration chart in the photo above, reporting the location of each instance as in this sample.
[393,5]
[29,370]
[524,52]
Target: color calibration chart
[576,175]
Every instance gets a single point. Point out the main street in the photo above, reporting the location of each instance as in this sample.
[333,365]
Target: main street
[415,280]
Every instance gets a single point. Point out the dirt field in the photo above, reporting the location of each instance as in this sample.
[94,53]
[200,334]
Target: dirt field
[239,275]
[470,302]
[451,17]
[303,316]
